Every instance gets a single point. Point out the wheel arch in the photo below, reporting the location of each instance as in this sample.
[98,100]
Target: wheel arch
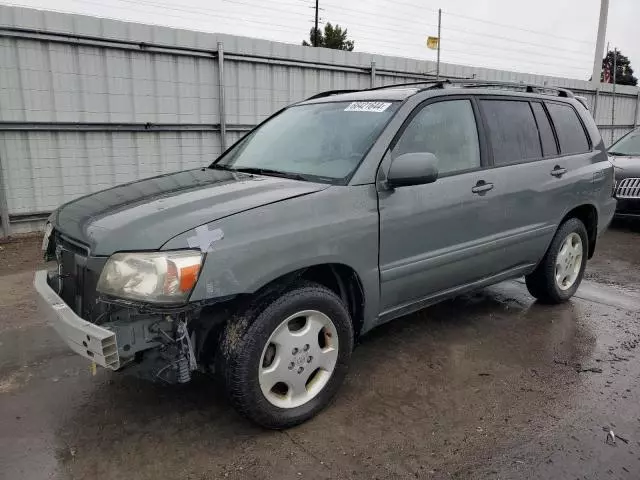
[588,215]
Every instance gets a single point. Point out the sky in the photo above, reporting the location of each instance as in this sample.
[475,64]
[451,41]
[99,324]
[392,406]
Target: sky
[546,37]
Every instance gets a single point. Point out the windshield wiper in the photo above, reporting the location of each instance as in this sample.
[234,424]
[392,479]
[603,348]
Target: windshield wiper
[618,154]
[217,166]
[270,172]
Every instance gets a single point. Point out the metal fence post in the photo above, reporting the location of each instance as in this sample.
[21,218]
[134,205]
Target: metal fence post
[4,207]
[635,117]
[595,103]
[373,73]
[221,99]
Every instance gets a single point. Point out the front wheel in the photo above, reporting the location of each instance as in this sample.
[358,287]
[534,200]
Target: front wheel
[283,358]
[560,272]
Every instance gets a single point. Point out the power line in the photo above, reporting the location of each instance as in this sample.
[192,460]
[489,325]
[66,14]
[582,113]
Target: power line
[507,39]
[509,49]
[472,54]
[404,30]
[289,29]
[537,32]
[139,3]
[354,11]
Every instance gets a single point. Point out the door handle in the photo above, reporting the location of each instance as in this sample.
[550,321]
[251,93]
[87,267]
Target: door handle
[558,171]
[482,187]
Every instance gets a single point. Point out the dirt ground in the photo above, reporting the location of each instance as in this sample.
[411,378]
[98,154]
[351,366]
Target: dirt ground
[489,385]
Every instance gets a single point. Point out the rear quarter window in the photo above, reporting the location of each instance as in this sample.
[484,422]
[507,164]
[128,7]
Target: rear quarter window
[571,134]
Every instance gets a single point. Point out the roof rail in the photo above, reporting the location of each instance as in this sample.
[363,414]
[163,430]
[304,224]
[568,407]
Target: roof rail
[328,93]
[560,92]
[462,83]
[429,83]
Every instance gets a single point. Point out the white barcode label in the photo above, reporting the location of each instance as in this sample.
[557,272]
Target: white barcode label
[367,107]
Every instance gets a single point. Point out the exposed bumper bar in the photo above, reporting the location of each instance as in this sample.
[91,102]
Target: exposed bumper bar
[84,338]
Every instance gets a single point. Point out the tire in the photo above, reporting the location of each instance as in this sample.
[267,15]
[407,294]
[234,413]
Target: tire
[543,283]
[253,336]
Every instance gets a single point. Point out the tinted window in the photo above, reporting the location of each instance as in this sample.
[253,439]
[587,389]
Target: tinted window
[512,131]
[446,129]
[549,146]
[569,129]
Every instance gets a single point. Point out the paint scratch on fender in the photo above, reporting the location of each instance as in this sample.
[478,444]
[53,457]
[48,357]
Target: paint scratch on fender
[205,238]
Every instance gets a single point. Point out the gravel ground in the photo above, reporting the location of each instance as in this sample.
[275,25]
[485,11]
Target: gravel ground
[489,385]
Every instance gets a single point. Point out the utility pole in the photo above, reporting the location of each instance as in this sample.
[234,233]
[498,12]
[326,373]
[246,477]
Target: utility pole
[602,31]
[613,98]
[315,31]
[439,41]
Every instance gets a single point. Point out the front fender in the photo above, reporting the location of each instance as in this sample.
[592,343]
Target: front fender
[250,249]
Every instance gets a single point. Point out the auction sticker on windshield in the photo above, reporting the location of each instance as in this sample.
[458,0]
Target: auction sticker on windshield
[367,107]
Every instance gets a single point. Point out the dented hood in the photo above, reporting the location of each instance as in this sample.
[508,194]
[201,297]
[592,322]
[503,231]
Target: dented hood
[144,215]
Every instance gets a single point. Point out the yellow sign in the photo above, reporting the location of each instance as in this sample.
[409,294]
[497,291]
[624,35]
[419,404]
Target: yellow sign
[432,43]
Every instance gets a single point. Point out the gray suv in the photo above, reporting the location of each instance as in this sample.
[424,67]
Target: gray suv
[333,216]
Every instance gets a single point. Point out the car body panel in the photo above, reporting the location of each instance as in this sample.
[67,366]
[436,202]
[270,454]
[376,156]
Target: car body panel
[338,225]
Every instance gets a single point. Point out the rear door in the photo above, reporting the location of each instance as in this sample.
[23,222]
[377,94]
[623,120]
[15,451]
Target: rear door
[539,168]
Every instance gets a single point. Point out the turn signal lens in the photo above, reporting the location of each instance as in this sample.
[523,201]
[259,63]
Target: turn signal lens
[188,277]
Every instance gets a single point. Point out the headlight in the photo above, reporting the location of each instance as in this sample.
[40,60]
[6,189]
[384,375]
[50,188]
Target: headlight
[47,234]
[155,277]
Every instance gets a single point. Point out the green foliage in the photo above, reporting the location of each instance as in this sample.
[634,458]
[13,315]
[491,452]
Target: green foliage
[624,72]
[332,37]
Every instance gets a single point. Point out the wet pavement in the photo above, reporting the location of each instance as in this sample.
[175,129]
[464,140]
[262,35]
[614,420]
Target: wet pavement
[489,385]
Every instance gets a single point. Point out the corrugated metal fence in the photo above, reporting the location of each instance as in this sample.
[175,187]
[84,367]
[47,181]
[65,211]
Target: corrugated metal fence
[88,103]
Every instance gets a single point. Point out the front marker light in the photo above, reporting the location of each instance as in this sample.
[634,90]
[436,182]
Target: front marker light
[154,277]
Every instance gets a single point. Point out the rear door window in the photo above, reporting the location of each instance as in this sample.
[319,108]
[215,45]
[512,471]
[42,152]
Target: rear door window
[571,134]
[549,147]
[512,131]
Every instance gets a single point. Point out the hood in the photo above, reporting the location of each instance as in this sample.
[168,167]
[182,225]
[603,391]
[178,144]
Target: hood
[626,166]
[145,214]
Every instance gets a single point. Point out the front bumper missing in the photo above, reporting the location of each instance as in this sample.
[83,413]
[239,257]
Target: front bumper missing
[84,338]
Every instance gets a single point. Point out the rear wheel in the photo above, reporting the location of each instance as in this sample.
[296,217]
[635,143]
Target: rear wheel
[283,358]
[560,272]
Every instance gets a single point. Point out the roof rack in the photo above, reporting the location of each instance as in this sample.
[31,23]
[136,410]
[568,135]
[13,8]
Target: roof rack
[328,93]
[430,84]
[460,83]
[541,89]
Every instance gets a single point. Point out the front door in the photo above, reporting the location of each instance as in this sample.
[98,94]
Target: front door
[438,236]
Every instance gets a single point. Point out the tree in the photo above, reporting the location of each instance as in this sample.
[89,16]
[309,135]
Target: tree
[624,72]
[333,37]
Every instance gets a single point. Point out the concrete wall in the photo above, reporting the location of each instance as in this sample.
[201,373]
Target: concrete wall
[87,103]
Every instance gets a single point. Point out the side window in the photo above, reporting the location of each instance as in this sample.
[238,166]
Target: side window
[549,147]
[571,135]
[512,131]
[448,130]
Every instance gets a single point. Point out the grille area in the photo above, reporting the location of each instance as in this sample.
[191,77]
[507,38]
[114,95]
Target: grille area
[75,282]
[628,188]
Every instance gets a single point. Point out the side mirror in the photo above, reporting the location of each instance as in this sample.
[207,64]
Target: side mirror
[413,169]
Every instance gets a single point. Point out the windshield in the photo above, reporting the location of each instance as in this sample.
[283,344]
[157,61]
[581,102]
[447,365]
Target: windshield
[627,145]
[317,142]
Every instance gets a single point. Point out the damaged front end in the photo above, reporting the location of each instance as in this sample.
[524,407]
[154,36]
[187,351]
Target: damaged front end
[98,307]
